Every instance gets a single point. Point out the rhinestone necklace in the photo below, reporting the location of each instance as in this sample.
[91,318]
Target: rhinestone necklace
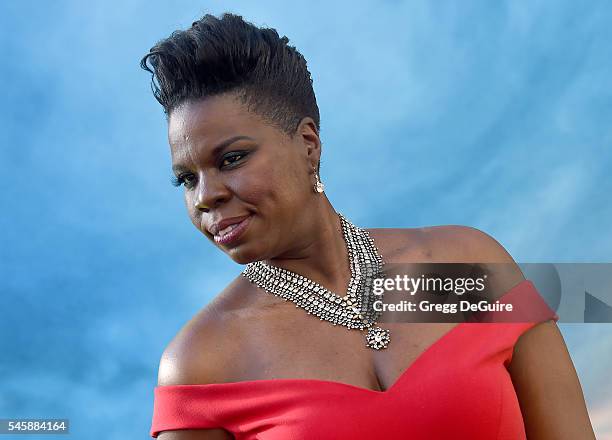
[353,310]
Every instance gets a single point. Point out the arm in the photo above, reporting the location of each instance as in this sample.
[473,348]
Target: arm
[191,358]
[547,386]
[195,434]
[172,371]
[546,383]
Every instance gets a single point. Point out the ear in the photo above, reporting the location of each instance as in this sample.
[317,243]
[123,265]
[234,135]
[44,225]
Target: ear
[308,135]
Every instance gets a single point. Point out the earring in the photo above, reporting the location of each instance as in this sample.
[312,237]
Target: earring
[318,187]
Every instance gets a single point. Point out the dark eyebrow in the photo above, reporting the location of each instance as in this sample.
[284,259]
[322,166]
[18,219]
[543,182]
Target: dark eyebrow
[215,151]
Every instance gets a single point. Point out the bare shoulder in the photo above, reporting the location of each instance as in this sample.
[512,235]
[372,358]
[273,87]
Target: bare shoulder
[200,353]
[450,244]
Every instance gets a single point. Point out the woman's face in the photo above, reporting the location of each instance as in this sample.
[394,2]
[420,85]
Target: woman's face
[232,165]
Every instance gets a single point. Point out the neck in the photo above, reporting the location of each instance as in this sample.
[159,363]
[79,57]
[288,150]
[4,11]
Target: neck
[320,253]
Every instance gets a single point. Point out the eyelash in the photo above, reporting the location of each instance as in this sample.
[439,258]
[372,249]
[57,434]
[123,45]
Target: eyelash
[180,180]
[177,181]
[231,156]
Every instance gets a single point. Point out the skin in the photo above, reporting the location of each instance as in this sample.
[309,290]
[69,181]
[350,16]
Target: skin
[295,228]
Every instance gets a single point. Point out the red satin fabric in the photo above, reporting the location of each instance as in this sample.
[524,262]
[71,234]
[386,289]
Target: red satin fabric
[459,388]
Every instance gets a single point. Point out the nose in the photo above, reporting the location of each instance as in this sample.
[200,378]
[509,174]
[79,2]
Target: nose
[210,193]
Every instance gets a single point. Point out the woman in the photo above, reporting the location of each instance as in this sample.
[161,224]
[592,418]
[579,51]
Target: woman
[243,128]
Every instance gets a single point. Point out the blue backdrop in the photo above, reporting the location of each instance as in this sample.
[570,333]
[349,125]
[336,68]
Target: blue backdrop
[494,115]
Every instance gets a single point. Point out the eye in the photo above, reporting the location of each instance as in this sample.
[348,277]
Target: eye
[232,158]
[182,179]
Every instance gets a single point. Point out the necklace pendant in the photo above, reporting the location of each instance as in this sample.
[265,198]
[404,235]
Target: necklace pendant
[377,338]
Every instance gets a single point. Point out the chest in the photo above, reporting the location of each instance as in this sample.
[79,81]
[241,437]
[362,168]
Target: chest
[289,343]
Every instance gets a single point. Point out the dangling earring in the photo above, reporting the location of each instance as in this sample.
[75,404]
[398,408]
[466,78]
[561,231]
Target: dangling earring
[318,186]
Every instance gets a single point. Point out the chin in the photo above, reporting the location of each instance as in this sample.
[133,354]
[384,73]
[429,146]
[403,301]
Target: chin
[242,256]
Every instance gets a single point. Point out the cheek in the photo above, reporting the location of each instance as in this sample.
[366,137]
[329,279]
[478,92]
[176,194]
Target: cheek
[194,216]
[274,188]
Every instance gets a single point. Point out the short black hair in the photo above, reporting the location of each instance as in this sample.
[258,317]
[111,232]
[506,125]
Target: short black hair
[229,54]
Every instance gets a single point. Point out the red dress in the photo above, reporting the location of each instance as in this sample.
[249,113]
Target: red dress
[458,388]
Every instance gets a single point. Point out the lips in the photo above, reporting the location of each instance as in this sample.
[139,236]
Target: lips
[232,232]
[220,226]
[224,231]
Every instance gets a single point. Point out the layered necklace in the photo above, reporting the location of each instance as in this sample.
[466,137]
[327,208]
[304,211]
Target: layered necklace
[353,310]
